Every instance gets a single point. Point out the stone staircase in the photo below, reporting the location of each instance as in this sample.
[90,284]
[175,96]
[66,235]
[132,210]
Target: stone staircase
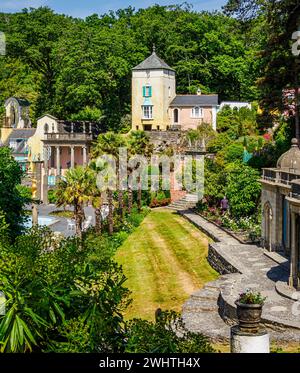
[187,202]
[201,313]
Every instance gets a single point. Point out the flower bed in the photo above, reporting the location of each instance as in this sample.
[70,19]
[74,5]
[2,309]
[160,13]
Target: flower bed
[245,229]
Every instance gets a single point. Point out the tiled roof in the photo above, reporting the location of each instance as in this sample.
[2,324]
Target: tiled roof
[153,62]
[195,100]
[22,133]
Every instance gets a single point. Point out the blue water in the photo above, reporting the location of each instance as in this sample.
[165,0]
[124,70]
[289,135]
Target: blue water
[42,220]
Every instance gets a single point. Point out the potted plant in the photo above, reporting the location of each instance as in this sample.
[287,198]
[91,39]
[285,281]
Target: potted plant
[249,310]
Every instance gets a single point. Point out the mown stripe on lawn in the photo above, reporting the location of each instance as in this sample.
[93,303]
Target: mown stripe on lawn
[164,261]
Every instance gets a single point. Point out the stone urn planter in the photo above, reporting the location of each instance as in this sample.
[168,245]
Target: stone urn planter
[249,309]
[249,316]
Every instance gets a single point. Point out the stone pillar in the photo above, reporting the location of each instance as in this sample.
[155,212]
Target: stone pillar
[84,152]
[45,179]
[293,256]
[35,215]
[242,342]
[58,161]
[72,156]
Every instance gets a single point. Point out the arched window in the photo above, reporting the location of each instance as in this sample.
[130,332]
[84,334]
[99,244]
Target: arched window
[176,116]
[268,217]
[46,128]
[197,112]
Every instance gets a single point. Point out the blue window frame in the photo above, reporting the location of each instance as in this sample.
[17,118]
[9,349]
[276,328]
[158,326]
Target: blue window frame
[147,91]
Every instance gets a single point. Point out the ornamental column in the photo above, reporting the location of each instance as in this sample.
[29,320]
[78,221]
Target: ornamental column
[293,256]
[58,161]
[45,178]
[72,156]
[84,152]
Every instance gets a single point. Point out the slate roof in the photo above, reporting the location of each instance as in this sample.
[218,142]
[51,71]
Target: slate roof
[194,100]
[153,62]
[22,101]
[21,133]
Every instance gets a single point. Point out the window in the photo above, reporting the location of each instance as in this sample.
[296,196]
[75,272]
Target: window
[147,112]
[197,112]
[147,91]
[137,128]
[46,128]
[13,144]
[176,115]
[169,91]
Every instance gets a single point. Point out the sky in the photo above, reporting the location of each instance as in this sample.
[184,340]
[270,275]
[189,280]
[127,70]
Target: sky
[79,8]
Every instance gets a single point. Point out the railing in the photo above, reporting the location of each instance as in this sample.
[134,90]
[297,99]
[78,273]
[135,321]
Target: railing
[269,174]
[68,136]
[287,177]
[278,176]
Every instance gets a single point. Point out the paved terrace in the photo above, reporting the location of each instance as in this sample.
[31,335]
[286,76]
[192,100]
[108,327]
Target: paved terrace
[211,310]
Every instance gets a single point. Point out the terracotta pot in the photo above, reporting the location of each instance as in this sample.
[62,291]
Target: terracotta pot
[249,316]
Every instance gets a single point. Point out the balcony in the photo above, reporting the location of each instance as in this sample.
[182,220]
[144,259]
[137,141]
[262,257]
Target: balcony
[68,136]
[278,176]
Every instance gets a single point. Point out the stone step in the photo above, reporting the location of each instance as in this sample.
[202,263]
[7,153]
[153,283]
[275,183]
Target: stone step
[200,306]
[206,294]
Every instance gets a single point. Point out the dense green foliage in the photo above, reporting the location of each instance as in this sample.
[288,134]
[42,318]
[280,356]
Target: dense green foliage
[81,69]
[12,195]
[66,295]
[279,19]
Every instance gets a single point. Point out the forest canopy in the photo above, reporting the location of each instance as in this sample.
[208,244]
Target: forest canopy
[69,66]
[81,68]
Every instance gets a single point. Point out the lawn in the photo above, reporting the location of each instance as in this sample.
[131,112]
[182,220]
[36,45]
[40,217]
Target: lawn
[164,261]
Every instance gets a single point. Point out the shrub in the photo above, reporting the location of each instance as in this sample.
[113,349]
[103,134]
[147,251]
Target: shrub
[166,335]
[52,196]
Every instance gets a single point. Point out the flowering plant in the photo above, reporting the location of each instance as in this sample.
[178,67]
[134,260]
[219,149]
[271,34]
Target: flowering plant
[251,297]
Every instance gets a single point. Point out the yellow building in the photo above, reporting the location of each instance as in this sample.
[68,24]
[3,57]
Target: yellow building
[153,89]
[155,105]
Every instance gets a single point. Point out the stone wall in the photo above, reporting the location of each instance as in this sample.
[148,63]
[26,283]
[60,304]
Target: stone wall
[162,139]
[218,262]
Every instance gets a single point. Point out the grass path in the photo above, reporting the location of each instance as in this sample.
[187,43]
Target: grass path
[164,261]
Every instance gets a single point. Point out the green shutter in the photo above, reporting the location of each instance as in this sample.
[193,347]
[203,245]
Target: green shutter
[144,91]
[150,91]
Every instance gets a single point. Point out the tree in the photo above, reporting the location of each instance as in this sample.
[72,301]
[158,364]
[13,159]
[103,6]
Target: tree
[75,189]
[96,194]
[110,143]
[243,189]
[139,144]
[53,285]
[277,20]
[11,199]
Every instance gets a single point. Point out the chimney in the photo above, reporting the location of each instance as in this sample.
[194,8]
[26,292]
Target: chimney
[198,92]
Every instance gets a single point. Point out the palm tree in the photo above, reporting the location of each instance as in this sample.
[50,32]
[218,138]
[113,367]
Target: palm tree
[109,143]
[139,143]
[75,190]
[97,166]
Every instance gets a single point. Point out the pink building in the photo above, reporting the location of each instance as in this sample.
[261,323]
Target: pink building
[190,111]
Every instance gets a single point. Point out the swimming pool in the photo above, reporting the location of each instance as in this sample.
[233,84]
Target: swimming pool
[42,220]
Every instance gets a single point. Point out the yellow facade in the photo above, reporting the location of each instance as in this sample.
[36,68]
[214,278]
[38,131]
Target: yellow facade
[163,91]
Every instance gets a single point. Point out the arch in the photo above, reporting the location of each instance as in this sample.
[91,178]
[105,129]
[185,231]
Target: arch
[175,116]
[268,217]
